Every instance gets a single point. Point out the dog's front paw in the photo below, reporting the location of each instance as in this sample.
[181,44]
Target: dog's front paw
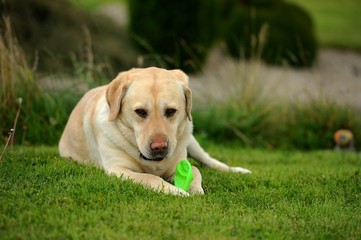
[239,170]
[177,192]
[182,194]
[196,191]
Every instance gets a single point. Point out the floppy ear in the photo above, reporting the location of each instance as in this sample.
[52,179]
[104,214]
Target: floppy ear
[188,94]
[187,91]
[115,93]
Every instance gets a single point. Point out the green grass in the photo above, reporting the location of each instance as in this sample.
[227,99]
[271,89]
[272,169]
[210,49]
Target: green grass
[290,195]
[337,22]
[94,4]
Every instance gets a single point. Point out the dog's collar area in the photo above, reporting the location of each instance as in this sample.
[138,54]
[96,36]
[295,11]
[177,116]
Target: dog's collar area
[151,159]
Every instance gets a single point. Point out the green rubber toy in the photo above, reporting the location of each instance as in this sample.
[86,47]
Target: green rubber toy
[183,175]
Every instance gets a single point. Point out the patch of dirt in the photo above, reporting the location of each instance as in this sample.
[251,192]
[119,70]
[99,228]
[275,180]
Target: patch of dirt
[335,76]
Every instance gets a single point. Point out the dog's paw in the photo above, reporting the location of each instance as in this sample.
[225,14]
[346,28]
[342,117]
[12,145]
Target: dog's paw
[240,170]
[179,192]
[196,191]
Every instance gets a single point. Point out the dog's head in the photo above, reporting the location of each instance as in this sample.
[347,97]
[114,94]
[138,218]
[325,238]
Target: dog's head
[155,105]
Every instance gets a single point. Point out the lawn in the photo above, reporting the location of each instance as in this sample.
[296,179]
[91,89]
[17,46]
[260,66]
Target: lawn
[290,195]
[337,22]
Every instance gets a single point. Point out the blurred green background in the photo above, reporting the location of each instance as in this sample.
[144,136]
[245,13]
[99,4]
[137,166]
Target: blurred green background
[333,19]
[53,51]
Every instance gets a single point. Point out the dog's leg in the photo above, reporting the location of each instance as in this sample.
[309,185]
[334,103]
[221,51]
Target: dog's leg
[197,152]
[148,180]
[196,184]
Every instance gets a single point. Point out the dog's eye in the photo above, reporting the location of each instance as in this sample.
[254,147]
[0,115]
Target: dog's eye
[141,113]
[169,112]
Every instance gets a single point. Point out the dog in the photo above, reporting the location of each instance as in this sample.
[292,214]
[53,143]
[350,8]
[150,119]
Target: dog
[139,127]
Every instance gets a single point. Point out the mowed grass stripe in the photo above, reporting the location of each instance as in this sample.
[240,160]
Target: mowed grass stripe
[292,195]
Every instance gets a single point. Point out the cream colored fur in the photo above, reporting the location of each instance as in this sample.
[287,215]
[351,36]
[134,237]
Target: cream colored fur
[108,128]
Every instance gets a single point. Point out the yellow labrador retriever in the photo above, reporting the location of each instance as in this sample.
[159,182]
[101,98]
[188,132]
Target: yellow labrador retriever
[139,127]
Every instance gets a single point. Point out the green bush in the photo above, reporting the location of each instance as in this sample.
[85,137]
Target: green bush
[176,34]
[303,126]
[228,123]
[312,125]
[278,32]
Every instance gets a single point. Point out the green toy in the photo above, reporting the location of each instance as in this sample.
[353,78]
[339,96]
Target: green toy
[183,175]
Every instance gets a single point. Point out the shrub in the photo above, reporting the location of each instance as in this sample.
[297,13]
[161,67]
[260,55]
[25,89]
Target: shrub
[176,34]
[312,125]
[290,36]
[304,126]
[235,122]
